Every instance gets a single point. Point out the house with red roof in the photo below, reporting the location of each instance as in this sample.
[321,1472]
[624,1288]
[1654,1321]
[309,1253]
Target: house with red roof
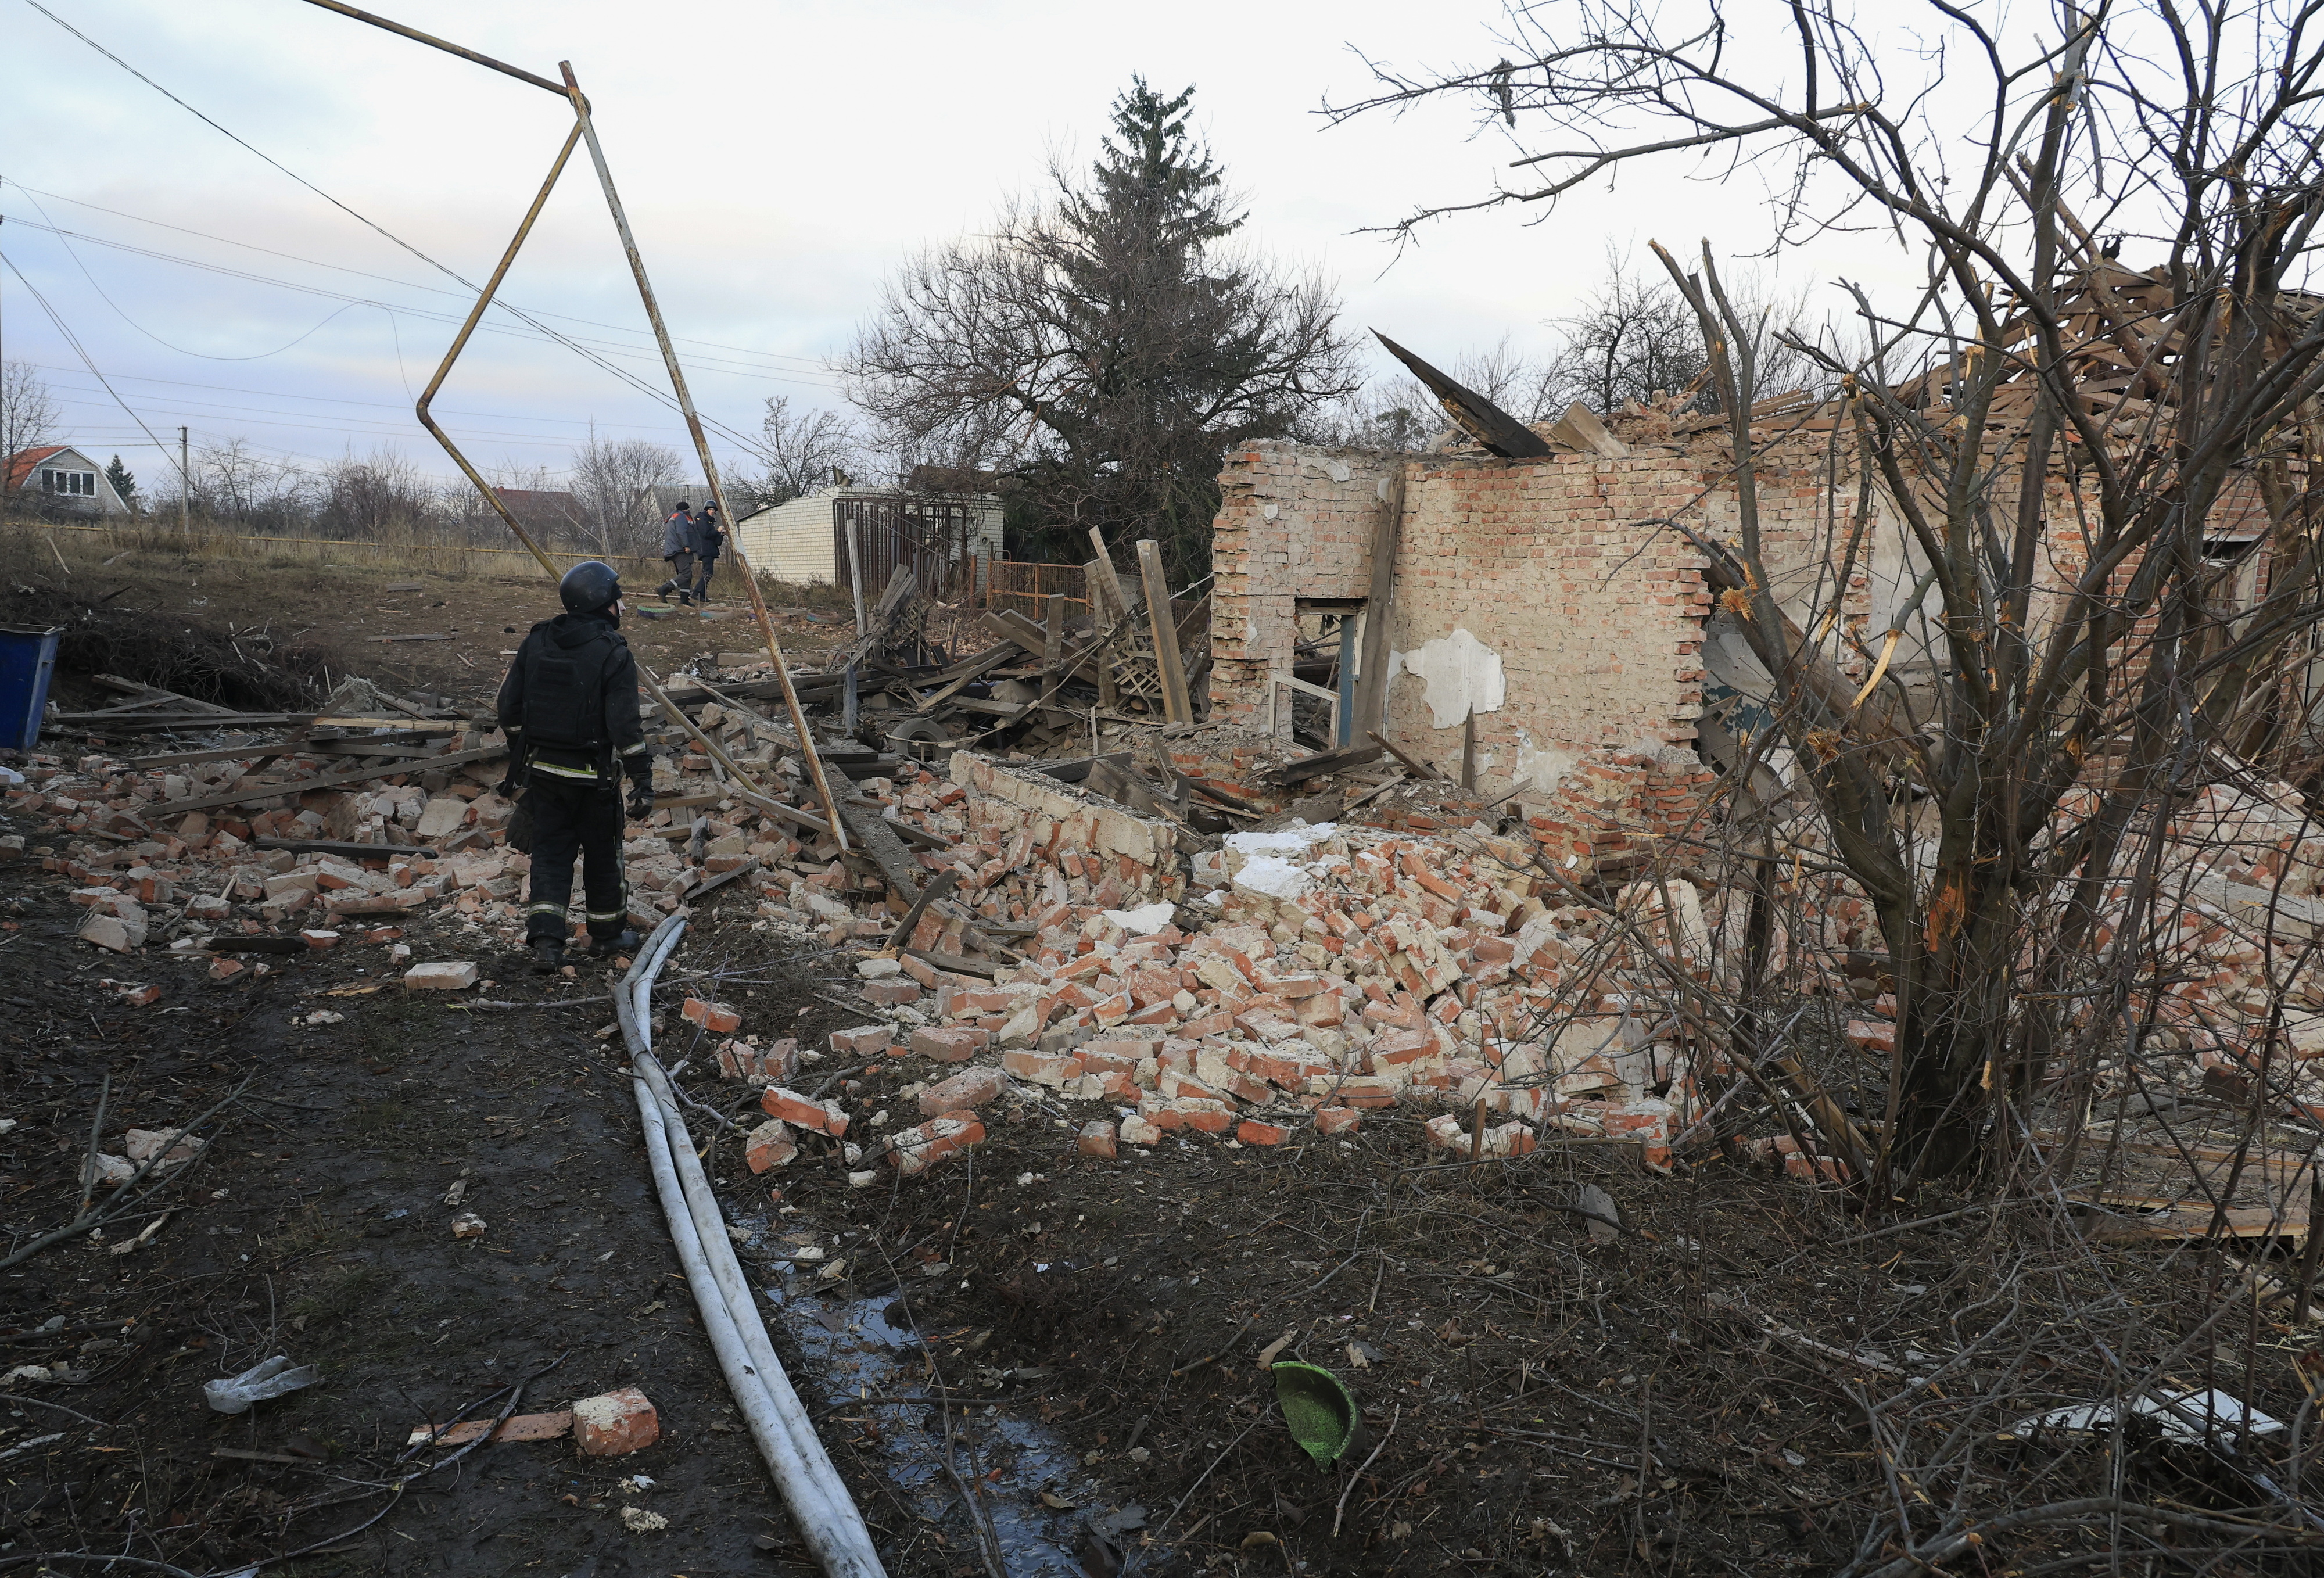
[57,478]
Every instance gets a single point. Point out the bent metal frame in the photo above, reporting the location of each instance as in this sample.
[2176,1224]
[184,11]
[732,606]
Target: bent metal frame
[585,129]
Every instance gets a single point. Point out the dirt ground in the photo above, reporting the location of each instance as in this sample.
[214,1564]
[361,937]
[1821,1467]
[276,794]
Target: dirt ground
[331,618]
[1534,1399]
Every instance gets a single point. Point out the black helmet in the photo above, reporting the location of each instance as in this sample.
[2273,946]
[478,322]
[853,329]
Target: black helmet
[590,586]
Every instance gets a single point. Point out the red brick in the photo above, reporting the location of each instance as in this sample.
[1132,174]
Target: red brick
[1041,1067]
[864,1039]
[968,1090]
[615,1425]
[823,1116]
[1251,1132]
[770,1145]
[1337,1120]
[713,1017]
[1096,1140]
[950,1044]
[892,994]
[921,1147]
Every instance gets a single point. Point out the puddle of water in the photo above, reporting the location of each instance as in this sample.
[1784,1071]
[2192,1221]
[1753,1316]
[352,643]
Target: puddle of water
[866,1367]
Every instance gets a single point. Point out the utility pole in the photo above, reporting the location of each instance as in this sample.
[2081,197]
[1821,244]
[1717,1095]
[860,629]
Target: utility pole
[184,489]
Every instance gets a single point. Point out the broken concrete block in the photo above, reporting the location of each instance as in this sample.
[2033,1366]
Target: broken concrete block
[822,1117]
[716,1018]
[440,976]
[879,969]
[112,933]
[440,818]
[966,1091]
[769,1146]
[1096,1140]
[615,1424]
[173,1145]
[1136,1131]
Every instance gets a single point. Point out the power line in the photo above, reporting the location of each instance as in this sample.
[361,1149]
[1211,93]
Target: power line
[806,362]
[376,405]
[84,355]
[714,363]
[449,273]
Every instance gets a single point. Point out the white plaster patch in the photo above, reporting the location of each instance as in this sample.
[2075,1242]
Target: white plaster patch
[1338,471]
[1463,675]
[1543,768]
[1269,862]
[1145,921]
[1267,511]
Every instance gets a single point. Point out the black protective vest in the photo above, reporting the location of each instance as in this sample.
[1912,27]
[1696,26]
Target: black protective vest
[565,693]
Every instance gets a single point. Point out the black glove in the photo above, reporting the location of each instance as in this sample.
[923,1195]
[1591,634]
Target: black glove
[641,804]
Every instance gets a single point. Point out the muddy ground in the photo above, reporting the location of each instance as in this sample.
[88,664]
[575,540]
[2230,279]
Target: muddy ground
[1534,1399]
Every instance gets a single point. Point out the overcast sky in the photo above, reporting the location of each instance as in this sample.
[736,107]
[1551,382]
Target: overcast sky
[777,160]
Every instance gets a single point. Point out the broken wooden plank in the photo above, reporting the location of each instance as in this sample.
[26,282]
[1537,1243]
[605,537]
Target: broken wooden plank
[342,847]
[135,721]
[1302,768]
[713,883]
[1176,706]
[1477,417]
[1371,670]
[1412,764]
[327,780]
[943,883]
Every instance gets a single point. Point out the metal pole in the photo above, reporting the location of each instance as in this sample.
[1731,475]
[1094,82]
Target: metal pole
[437,43]
[184,489]
[709,467]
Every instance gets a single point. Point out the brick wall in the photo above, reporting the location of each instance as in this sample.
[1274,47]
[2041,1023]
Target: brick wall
[1294,522]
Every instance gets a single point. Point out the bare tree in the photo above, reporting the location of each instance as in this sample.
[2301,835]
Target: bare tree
[28,412]
[1105,349]
[802,450]
[2053,431]
[374,497]
[233,482]
[614,481]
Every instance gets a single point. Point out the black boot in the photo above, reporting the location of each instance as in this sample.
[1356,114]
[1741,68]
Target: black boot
[606,947]
[547,956]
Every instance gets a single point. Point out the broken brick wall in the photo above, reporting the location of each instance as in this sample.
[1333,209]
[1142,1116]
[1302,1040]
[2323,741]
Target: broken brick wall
[1527,592]
[1295,521]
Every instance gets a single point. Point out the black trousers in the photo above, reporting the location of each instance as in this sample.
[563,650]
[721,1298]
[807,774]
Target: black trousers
[681,571]
[705,567]
[570,817]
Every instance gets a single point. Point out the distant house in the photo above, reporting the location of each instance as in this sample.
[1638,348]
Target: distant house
[804,541]
[59,479]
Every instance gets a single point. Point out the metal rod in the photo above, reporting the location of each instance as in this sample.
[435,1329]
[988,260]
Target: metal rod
[436,43]
[709,467]
[460,342]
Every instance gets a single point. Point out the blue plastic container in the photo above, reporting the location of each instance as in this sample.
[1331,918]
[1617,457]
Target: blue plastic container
[27,659]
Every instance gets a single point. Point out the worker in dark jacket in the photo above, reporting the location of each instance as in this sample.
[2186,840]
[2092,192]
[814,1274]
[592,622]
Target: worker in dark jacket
[708,542]
[678,552]
[569,708]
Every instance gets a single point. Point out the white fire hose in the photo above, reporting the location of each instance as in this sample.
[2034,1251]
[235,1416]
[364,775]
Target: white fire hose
[818,1499]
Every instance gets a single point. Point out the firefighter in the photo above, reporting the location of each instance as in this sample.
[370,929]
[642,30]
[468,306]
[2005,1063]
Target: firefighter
[569,709]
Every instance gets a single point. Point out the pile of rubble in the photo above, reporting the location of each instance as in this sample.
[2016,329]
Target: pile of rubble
[1262,985]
